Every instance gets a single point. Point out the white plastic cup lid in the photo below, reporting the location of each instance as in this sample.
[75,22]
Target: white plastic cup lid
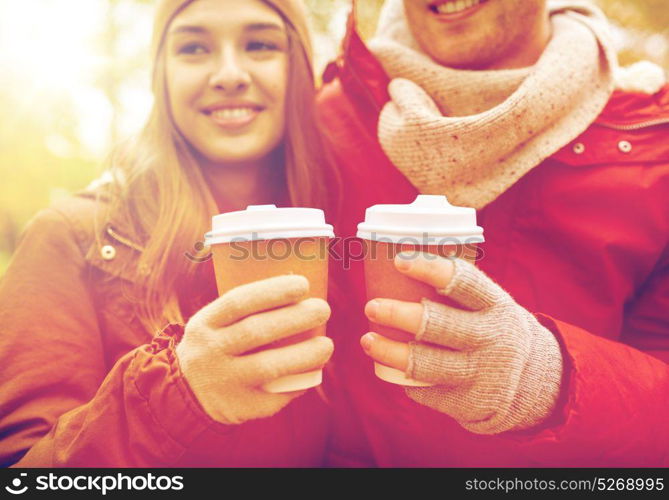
[429,220]
[267,222]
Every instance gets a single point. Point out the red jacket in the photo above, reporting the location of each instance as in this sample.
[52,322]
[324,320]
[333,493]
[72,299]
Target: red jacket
[582,241]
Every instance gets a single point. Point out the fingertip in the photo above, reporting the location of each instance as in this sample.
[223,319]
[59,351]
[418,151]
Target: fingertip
[318,307]
[300,281]
[296,284]
[326,343]
[371,309]
[404,261]
[294,394]
[367,341]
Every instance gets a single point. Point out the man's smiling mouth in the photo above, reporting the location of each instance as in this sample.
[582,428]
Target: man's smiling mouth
[449,7]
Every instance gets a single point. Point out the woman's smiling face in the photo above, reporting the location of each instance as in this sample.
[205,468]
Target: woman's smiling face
[227,73]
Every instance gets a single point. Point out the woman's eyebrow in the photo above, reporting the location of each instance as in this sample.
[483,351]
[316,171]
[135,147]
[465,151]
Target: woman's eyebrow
[264,26]
[187,29]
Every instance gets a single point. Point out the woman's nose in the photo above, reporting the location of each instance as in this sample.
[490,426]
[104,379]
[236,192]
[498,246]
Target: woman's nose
[230,76]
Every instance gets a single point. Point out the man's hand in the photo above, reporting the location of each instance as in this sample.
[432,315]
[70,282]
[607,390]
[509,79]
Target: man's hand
[407,316]
[496,367]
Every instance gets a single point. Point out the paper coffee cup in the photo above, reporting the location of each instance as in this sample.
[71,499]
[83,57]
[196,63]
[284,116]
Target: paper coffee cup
[429,224]
[264,241]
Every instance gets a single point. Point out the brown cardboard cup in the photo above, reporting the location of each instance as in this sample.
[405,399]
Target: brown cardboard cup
[263,242]
[429,224]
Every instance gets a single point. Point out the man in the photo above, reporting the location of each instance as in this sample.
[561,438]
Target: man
[511,107]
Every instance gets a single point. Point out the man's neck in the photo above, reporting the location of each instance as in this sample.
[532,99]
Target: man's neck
[236,186]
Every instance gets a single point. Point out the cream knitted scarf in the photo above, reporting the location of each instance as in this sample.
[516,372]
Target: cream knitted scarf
[470,135]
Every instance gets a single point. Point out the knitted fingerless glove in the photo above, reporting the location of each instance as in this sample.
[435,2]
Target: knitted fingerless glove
[497,368]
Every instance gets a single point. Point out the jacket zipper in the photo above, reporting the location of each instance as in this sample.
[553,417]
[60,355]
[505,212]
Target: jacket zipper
[635,126]
[122,239]
[369,94]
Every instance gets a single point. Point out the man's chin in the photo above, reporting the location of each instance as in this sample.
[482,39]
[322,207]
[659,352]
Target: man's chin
[466,60]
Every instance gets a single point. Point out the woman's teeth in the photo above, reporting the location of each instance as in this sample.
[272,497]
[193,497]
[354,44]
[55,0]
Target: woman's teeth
[455,6]
[232,113]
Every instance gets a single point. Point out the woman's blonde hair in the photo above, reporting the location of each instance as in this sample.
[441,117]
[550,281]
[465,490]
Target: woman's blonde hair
[164,200]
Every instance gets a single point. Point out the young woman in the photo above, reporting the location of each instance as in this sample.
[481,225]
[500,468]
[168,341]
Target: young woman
[85,379]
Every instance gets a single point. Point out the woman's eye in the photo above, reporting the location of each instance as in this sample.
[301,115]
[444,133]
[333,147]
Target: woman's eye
[192,49]
[261,46]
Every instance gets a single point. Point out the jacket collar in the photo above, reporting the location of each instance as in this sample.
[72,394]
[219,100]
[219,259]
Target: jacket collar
[105,243]
[360,72]
[108,249]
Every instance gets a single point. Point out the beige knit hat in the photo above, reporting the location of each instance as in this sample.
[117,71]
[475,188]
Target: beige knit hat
[292,12]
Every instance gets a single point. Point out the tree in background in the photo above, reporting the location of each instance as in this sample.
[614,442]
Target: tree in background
[644,29]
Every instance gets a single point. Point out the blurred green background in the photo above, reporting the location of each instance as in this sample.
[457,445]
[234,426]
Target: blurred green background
[75,81]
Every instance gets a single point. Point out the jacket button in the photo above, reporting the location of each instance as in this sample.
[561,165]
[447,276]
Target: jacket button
[579,148]
[625,146]
[108,252]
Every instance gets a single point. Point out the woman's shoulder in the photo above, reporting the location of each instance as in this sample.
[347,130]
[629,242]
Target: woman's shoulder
[81,214]
[83,220]
[57,239]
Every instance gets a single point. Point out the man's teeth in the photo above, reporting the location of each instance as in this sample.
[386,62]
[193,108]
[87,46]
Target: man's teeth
[232,113]
[454,6]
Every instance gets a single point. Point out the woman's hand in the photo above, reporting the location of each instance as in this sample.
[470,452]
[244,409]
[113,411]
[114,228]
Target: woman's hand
[213,352]
[497,368]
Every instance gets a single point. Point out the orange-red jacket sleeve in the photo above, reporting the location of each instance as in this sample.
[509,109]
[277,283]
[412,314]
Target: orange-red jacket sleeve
[60,404]
[613,408]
